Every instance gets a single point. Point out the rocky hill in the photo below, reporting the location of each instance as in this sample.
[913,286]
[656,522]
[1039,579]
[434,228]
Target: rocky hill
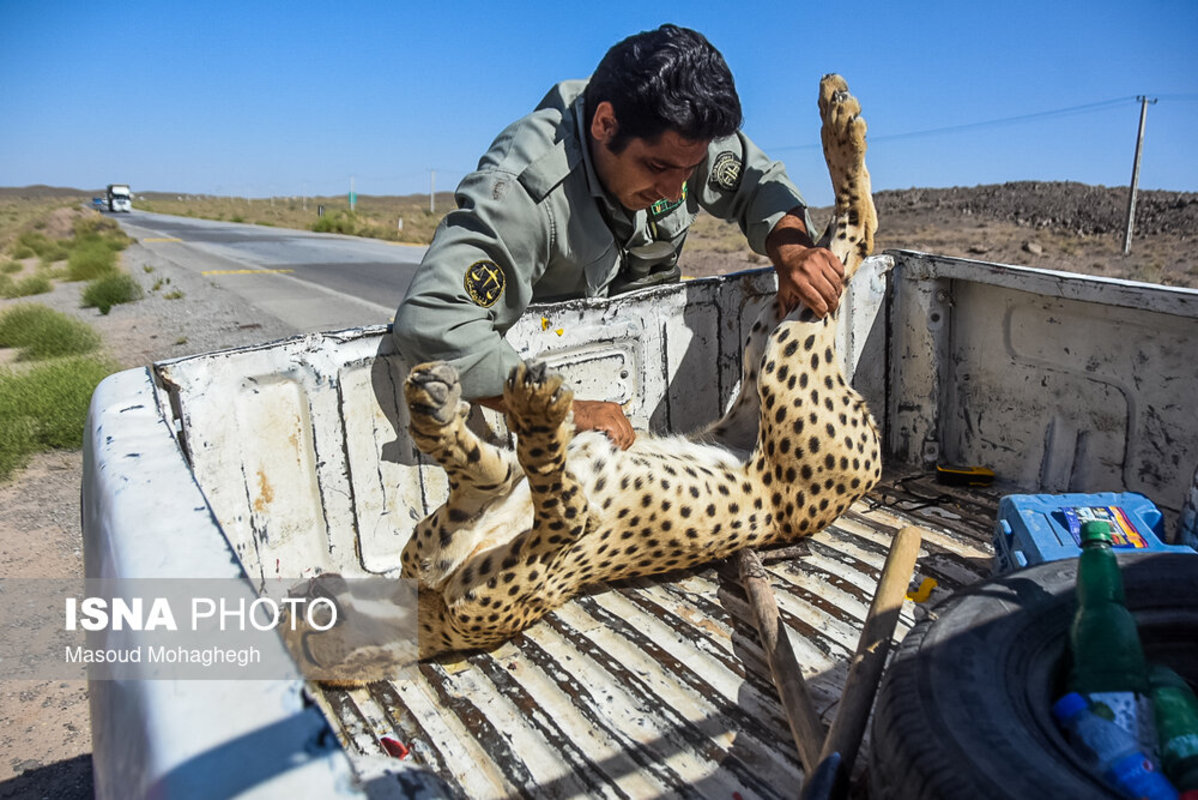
[1068,207]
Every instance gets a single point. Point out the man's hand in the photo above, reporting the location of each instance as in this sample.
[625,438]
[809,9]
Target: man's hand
[589,415]
[807,274]
[599,415]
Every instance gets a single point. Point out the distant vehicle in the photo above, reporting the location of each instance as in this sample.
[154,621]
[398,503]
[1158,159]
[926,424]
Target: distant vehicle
[118,197]
[99,203]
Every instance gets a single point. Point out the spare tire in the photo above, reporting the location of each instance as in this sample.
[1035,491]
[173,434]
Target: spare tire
[964,708]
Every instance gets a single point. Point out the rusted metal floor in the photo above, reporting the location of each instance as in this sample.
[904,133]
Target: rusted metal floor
[658,688]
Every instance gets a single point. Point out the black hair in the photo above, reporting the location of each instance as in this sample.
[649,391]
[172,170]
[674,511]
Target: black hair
[670,78]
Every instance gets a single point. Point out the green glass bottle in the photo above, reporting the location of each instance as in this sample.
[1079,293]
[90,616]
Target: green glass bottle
[1176,710]
[1107,656]
[1109,666]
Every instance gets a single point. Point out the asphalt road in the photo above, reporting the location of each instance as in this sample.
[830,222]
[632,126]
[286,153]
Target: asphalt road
[312,281]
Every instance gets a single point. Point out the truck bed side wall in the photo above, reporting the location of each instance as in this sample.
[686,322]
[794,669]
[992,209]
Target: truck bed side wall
[1059,383]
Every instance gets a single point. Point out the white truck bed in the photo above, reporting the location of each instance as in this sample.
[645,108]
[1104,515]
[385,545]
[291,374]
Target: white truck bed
[291,458]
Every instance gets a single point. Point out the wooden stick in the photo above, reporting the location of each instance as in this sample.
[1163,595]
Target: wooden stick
[791,553]
[805,725]
[865,670]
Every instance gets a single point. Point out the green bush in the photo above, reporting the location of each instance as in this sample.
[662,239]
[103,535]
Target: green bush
[57,251]
[46,407]
[33,243]
[337,222]
[30,285]
[90,260]
[40,332]
[104,293]
[11,267]
[99,228]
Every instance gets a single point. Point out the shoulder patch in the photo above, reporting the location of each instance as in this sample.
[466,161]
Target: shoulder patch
[484,283]
[725,172]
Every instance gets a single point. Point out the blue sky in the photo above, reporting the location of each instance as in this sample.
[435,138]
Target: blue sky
[288,98]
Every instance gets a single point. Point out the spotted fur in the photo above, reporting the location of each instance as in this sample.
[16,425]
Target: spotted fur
[524,531]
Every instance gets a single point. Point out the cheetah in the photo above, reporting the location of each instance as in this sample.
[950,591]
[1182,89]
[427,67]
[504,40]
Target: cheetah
[522,532]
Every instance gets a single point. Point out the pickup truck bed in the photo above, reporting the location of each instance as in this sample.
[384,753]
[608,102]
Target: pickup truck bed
[658,688]
[291,458]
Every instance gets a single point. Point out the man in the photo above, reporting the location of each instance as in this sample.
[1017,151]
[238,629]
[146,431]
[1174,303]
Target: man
[592,194]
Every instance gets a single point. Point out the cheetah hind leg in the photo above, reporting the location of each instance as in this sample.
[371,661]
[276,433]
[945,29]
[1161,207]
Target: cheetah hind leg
[850,233]
[478,473]
[819,448]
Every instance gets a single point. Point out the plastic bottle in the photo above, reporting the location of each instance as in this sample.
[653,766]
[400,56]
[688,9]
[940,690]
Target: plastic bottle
[1108,662]
[1176,710]
[1111,751]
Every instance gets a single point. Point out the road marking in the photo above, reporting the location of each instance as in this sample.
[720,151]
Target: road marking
[162,239]
[405,244]
[247,271]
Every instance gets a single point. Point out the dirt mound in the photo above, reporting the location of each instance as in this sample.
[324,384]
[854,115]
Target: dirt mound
[1070,207]
[60,223]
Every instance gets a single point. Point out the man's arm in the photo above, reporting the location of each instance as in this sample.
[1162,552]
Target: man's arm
[474,282]
[739,182]
[807,274]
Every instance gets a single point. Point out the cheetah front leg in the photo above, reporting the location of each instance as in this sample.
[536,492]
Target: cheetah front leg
[500,590]
[478,473]
[537,409]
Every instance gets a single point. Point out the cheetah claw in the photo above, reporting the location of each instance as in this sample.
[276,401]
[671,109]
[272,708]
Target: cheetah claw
[535,396]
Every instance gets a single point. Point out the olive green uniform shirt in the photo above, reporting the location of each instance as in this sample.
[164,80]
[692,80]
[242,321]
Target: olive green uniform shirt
[534,224]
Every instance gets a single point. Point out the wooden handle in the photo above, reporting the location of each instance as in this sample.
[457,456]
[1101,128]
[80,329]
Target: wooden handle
[805,726]
[865,670]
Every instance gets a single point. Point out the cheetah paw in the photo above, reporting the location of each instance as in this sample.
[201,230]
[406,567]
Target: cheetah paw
[843,131]
[434,395]
[536,398]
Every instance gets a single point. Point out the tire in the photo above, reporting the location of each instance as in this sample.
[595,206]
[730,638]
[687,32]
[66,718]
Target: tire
[964,708]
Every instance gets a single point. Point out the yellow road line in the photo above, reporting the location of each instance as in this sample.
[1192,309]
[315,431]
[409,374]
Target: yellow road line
[246,271]
[162,239]
[405,244]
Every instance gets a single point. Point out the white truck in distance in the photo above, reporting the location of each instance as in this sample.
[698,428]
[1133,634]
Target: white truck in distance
[118,197]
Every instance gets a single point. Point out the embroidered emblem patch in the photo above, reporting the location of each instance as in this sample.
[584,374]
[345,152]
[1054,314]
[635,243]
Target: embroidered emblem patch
[725,172]
[663,206]
[484,283]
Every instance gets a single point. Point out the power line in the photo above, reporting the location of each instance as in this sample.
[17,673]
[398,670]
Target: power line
[1086,108]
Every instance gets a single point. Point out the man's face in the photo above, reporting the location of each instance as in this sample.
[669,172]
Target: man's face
[645,171]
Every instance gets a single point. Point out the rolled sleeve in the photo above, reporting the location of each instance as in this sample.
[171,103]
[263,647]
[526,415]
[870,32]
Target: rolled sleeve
[496,226]
[761,194]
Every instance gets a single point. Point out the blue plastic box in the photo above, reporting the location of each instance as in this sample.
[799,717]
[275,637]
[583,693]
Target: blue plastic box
[1033,528]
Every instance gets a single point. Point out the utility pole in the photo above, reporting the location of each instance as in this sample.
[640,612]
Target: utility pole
[432,191]
[1135,173]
